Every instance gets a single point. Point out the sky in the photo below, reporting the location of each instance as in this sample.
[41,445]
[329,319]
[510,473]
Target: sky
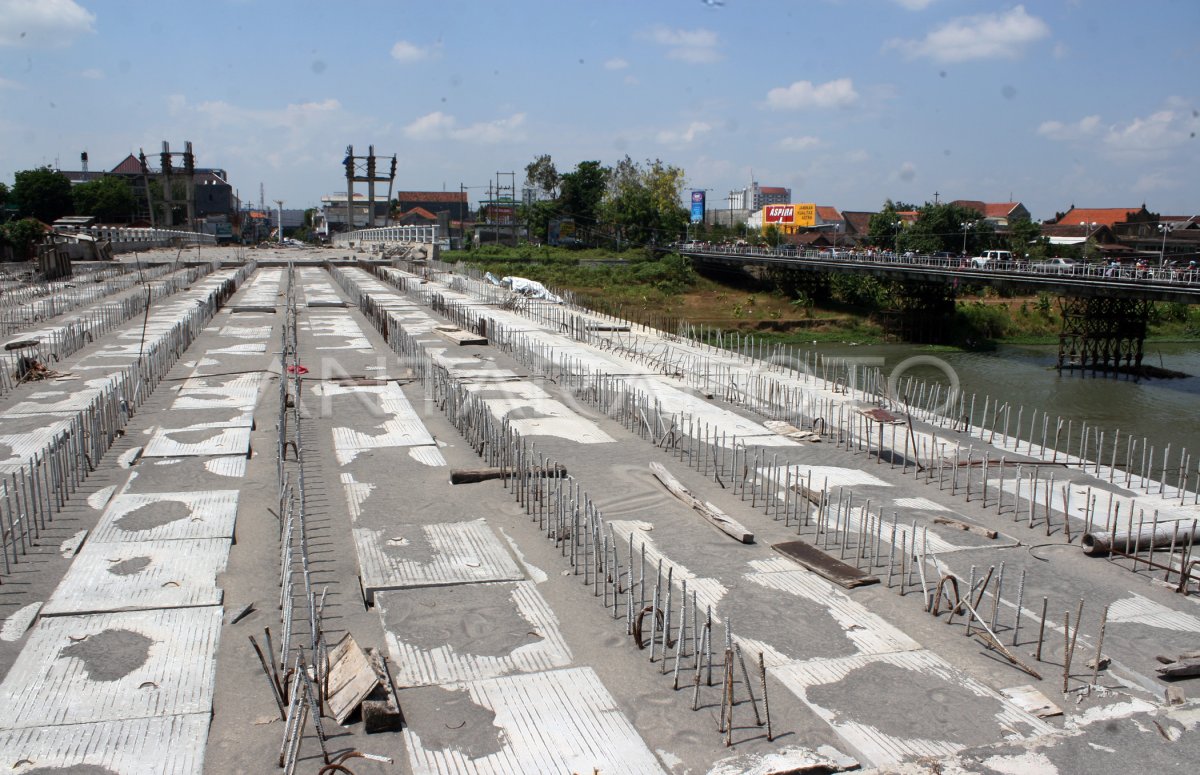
[847,102]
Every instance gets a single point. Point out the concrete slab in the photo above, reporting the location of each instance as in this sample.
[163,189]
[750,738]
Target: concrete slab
[168,516]
[555,722]
[106,667]
[141,575]
[170,745]
[202,440]
[240,392]
[893,707]
[410,555]
[469,632]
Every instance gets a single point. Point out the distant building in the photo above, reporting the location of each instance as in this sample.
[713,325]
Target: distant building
[333,211]
[755,197]
[213,193]
[455,202]
[999,214]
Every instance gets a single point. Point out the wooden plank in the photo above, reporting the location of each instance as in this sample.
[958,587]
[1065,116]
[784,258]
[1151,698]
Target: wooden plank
[1030,700]
[812,558]
[472,475]
[1181,669]
[351,678]
[966,526]
[717,518]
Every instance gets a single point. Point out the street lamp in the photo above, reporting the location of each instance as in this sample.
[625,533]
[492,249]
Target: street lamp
[1086,234]
[1165,228]
[965,227]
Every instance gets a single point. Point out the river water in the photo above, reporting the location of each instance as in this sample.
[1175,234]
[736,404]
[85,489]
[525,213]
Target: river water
[1164,411]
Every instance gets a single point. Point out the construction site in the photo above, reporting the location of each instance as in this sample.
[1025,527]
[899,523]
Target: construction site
[356,510]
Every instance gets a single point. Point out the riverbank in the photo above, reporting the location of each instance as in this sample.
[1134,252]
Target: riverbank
[661,290]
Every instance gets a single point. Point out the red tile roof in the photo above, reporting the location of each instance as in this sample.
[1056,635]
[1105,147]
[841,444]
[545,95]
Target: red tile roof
[826,213]
[989,209]
[772,190]
[1106,216]
[420,212]
[431,196]
[128,166]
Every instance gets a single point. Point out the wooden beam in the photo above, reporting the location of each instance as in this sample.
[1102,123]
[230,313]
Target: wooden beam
[717,518]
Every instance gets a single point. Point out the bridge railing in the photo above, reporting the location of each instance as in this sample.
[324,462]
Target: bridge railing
[388,235]
[1158,275]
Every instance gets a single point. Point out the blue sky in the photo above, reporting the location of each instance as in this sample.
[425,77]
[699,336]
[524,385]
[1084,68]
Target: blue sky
[848,102]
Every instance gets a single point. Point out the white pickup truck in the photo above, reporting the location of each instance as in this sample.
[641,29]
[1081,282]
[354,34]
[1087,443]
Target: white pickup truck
[991,257]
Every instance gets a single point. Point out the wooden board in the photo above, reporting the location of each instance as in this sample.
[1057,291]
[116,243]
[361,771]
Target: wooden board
[717,518]
[460,337]
[351,678]
[818,562]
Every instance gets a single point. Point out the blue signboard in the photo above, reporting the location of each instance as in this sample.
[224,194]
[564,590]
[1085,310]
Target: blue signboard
[697,206]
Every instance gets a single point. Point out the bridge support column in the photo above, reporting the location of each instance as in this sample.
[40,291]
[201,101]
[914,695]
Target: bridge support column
[1102,333]
[924,312]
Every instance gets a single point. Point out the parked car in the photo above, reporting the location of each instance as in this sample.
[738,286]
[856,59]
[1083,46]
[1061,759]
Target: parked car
[991,257]
[1056,266]
[946,257]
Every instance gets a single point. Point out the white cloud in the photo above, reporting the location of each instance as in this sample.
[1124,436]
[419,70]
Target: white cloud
[430,126]
[693,131]
[1057,130]
[802,143]
[914,5]
[403,51]
[907,172]
[803,94]
[93,74]
[699,45]
[440,126]
[33,23]
[984,36]
[1156,136]
[1154,181]
[616,64]
[5,83]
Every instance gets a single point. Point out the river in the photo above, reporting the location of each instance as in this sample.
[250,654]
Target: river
[1164,411]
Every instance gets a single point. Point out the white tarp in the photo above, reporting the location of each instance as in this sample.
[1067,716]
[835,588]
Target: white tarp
[530,289]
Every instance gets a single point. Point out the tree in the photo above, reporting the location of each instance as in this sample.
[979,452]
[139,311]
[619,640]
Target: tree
[22,235]
[109,199]
[1022,236]
[42,193]
[940,227]
[642,202]
[884,227]
[542,175]
[3,194]
[581,192]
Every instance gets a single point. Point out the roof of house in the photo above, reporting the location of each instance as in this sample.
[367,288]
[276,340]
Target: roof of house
[772,190]
[431,196]
[858,220]
[827,213]
[128,166]
[1106,216]
[418,212]
[989,209]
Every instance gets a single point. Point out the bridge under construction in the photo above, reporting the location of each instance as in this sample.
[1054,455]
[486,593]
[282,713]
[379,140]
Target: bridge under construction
[354,509]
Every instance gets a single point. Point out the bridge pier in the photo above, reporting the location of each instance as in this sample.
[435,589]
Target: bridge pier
[1102,333]
[923,313]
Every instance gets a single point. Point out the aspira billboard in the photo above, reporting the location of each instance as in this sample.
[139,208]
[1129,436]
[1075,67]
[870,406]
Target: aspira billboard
[790,217]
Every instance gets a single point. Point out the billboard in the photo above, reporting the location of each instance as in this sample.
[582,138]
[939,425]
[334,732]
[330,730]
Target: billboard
[793,215]
[697,206]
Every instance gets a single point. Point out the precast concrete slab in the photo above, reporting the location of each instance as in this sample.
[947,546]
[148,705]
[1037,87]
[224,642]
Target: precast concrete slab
[262,289]
[561,721]
[376,417]
[898,706]
[107,667]
[24,436]
[407,555]
[336,332]
[244,348]
[531,411]
[168,516]
[199,440]
[73,402]
[469,632]
[141,575]
[165,745]
[803,600]
[637,538]
[177,474]
[240,392]
[244,330]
